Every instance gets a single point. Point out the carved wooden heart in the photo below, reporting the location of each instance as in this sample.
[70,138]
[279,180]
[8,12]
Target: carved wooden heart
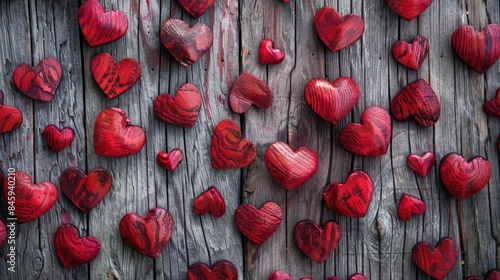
[248,90]
[210,201]
[72,249]
[221,270]
[10,117]
[437,261]
[182,109]
[335,31]
[58,139]
[258,225]
[229,148]
[318,243]
[41,82]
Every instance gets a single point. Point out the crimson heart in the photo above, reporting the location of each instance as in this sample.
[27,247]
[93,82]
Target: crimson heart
[491,107]
[210,201]
[248,90]
[73,250]
[422,164]
[114,136]
[268,54]
[41,82]
[181,110]
[352,198]
[408,9]
[352,277]
[169,160]
[410,205]
[332,101]
[411,55]
[196,8]
[258,225]
[491,275]
[57,139]
[100,27]
[316,242]
[229,148]
[464,178]
[147,235]
[335,31]
[10,117]
[221,270]
[3,231]
[279,275]
[473,278]
[437,261]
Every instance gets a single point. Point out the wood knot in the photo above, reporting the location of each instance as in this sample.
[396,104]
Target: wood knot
[378,229]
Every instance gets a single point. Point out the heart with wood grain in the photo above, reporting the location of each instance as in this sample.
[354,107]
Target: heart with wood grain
[421,164]
[248,90]
[72,249]
[411,55]
[181,110]
[169,160]
[258,225]
[100,27]
[10,117]
[409,206]
[148,235]
[464,178]
[332,100]
[437,261]
[408,9]
[279,275]
[114,136]
[352,198]
[491,107]
[210,201]
[58,139]
[3,230]
[85,191]
[221,270]
[491,275]
[318,243]
[335,31]
[196,8]
[352,277]
[268,54]
[229,148]
[41,82]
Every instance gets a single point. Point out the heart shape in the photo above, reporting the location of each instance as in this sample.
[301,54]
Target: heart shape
[248,90]
[464,178]
[3,230]
[491,107]
[221,270]
[85,191]
[268,54]
[196,8]
[258,225]
[100,27]
[147,235]
[335,31]
[10,117]
[186,44]
[181,110]
[408,9]
[410,205]
[41,82]
[316,242]
[72,249]
[279,275]
[422,164]
[437,261]
[352,198]
[411,55]
[58,140]
[114,136]
[352,277]
[169,160]
[332,101]
[491,275]
[210,201]
[229,148]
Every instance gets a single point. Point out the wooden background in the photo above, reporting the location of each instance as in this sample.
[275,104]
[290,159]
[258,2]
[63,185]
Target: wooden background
[378,246]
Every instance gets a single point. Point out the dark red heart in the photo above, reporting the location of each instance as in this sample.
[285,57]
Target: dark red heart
[268,54]
[41,82]
[210,201]
[422,164]
[279,275]
[10,117]
[3,231]
[147,235]
[352,277]
[352,198]
[411,55]
[72,249]
[229,148]
[181,110]
[409,206]
[491,107]
[169,160]
[316,242]
[258,224]
[248,90]
[100,27]
[196,8]
[491,275]
[335,31]
[57,139]
[221,270]
[437,261]
[408,9]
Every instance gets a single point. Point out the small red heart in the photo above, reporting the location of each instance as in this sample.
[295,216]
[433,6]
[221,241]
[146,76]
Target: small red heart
[372,137]
[410,205]
[147,235]
[421,165]
[100,27]
[352,198]
[196,8]
[258,225]
[473,278]
[491,275]
[437,261]
[279,275]
[41,82]
[352,277]
[169,160]
[335,31]
[491,107]
[73,250]
[221,270]
[181,110]
[316,242]
[248,90]
[229,148]
[210,201]
[3,231]
[10,117]
[57,139]
[114,136]
[408,9]
[411,55]
[268,54]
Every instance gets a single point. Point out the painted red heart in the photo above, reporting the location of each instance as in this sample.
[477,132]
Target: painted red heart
[279,275]
[437,261]
[169,160]
[229,148]
[10,117]
[100,27]
[464,178]
[409,206]
[421,164]
[85,191]
[147,235]
[258,225]
[58,140]
[352,277]
[411,55]
[3,231]
[221,270]
[491,107]
[210,201]
[332,101]
[491,275]
[352,198]
[181,110]
[196,8]
[335,31]
[372,137]
[248,90]
[408,9]
[186,44]
[480,50]
[41,82]
[72,249]
[268,54]
[114,136]
[318,243]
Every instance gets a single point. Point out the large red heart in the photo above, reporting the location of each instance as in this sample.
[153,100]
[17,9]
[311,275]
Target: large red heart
[73,250]
[436,261]
[408,9]
[186,44]
[100,27]
[352,198]
[279,275]
[85,191]
[221,270]
[210,201]
[491,107]
[57,139]
[258,224]
[410,205]
[335,31]
[3,232]
[10,117]
[332,101]
[422,164]
[181,110]
[411,55]
[464,178]
[169,160]
[491,275]
[196,8]
[147,235]
[114,136]
[41,82]
[268,54]
[316,242]
[248,90]
[229,148]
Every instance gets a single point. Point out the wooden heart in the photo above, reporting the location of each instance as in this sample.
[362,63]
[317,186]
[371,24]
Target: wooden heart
[437,261]
[419,101]
[408,9]
[258,225]
[229,148]
[196,8]
[72,249]
[493,274]
[58,140]
[318,243]
[491,107]
[169,160]
[279,275]
[41,82]
[422,164]
[335,31]
[352,277]
[181,110]
[210,201]
[221,270]
[248,90]
[268,54]
[409,206]
[411,55]
[10,117]
[3,229]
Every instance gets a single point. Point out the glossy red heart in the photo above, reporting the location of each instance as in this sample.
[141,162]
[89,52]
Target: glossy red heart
[10,117]
[352,198]
[100,27]
[196,8]
[147,235]
[409,206]
[437,261]
[408,9]
[221,270]
[318,243]
[41,82]
[335,31]
[352,277]
[3,231]
[169,160]
[229,148]
[491,107]
[210,201]
[421,164]
[181,110]
[258,225]
[114,136]
[279,275]
[268,54]
[72,249]
[248,90]
[58,140]
[411,55]
[491,275]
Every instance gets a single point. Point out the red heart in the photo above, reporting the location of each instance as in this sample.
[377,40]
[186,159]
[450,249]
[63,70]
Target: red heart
[221,270]
[258,225]
[352,277]
[100,27]
[210,201]
[352,198]
[372,137]
[411,55]
[491,107]
[85,191]
[114,136]
[181,110]
[3,231]
[186,44]
[480,50]
[147,235]
[335,31]
[169,160]
[229,148]
[73,250]
[41,82]
[491,275]
[436,261]
[248,90]
[408,9]
[10,117]
[332,101]
[464,178]
[268,54]
[423,164]
[279,275]
[316,242]
[410,205]
[57,139]
[196,8]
